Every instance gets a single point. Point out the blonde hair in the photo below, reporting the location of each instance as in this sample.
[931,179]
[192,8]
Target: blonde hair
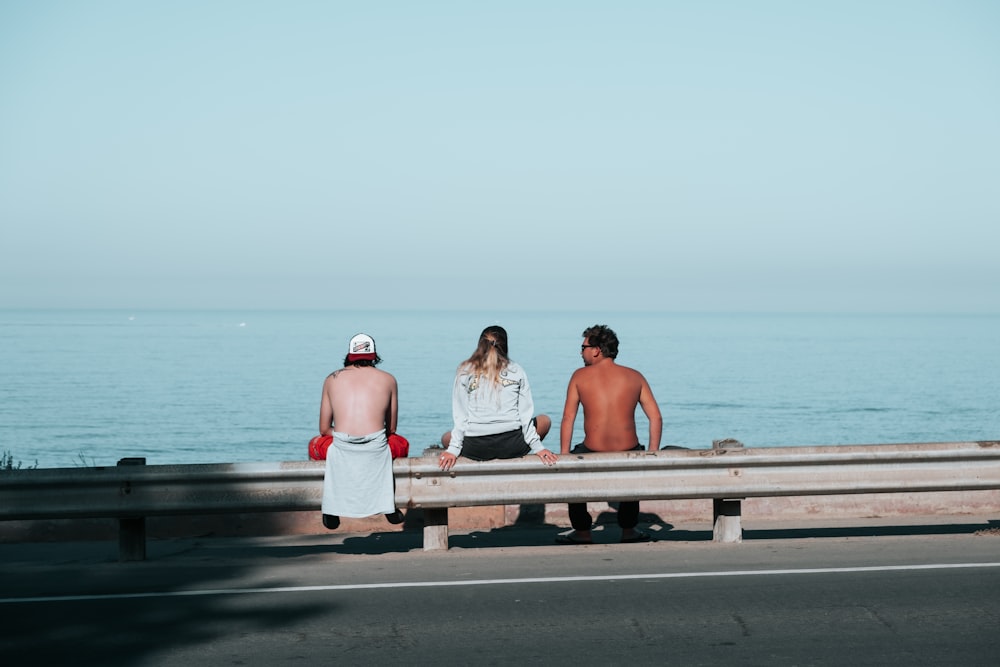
[490,358]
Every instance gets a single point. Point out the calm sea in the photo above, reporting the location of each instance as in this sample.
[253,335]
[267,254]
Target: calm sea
[83,387]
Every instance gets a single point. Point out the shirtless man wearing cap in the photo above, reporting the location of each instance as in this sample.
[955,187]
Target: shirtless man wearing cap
[609,394]
[359,409]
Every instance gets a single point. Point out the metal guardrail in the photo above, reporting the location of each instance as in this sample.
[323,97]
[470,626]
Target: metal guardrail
[715,473]
[161,490]
[725,473]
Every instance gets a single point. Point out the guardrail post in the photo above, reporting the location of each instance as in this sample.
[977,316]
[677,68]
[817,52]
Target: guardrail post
[131,530]
[435,528]
[727,512]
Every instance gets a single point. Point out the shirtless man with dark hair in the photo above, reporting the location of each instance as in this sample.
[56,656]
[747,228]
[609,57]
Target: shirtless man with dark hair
[609,394]
[359,409]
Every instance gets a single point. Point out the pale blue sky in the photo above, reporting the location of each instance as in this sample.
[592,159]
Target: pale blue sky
[677,156]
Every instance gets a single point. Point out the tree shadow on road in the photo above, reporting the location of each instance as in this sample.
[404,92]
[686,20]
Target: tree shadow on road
[110,613]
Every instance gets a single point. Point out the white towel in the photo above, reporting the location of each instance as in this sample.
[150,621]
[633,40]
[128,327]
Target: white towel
[358,480]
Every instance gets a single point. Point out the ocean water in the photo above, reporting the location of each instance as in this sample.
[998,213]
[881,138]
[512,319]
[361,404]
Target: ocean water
[88,387]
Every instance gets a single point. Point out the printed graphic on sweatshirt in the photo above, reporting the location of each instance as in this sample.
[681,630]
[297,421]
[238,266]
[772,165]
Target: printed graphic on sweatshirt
[504,382]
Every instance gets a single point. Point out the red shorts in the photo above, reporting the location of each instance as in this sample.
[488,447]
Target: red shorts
[398,445]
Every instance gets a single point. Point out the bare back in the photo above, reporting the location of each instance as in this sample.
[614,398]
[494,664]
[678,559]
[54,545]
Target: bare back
[358,400]
[609,394]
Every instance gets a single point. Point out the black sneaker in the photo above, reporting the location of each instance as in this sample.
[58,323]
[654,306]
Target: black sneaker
[331,521]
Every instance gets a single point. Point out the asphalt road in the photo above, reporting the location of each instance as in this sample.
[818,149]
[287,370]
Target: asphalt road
[894,597]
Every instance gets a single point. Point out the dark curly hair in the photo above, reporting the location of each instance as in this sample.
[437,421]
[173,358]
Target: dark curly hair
[604,338]
[362,362]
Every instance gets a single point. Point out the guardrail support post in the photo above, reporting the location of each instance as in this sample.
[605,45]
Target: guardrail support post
[727,512]
[131,530]
[435,528]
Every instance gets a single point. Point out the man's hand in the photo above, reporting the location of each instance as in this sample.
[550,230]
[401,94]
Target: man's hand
[446,461]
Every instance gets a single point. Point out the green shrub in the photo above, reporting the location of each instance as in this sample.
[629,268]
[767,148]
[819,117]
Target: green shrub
[7,463]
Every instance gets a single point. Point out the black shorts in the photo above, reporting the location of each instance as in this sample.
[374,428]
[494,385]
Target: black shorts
[583,449]
[509,445]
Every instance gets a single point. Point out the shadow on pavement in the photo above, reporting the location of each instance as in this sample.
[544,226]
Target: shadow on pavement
[872,531]
[534,531]
[133,613]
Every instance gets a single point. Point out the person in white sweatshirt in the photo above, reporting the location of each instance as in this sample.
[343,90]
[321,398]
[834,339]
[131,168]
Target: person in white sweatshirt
[492,408]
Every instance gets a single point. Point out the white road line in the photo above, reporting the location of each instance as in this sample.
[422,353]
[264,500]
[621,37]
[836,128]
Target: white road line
[487,582]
